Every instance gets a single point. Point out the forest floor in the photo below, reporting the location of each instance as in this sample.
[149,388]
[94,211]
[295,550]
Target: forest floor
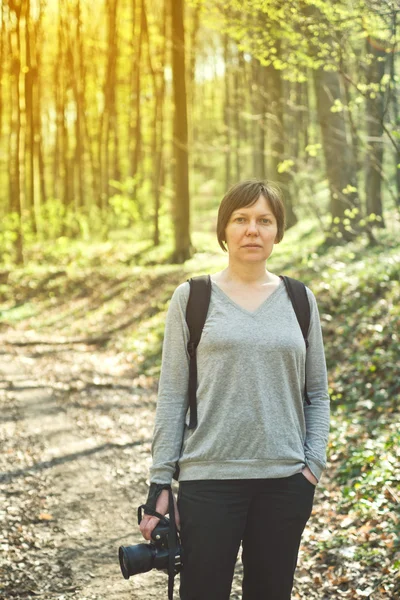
[76,425]
[76,420]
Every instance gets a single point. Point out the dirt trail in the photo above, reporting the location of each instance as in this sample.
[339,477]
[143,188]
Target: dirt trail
[76,430]
[76,424]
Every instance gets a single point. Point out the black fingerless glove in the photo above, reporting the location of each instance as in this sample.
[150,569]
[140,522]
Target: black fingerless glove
[152,497]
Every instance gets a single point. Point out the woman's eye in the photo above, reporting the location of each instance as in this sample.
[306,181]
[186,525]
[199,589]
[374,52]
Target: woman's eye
[239,219]
[265,221]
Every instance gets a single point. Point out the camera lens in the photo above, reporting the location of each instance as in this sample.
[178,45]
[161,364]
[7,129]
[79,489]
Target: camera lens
[135,559]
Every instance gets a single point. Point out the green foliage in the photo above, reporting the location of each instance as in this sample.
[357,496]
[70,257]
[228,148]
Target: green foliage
[313,149]
[358,291]
[51,219]
[125,205]
[9,226]
[353,223]
[54,221]
[124,211]
[285,165]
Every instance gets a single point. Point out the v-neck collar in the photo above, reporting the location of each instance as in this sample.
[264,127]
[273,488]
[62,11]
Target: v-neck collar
[252,313]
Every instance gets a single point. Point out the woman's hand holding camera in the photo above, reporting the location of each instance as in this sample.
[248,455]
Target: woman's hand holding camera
[148,522]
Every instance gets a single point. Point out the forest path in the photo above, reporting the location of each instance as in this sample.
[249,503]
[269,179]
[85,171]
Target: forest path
[76,424]
[76,432]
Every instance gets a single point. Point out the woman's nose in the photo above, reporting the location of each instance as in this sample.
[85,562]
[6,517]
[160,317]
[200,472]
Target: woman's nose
[252,228]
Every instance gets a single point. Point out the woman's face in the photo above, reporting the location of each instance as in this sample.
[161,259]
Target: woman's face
[251,232]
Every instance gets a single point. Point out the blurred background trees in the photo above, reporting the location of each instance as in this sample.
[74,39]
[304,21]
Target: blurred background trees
[135,113]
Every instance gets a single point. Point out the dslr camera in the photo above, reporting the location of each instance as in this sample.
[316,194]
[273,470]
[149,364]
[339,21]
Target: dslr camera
[155,555]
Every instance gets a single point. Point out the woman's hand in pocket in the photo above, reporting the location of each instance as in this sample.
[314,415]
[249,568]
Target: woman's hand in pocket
[308,475]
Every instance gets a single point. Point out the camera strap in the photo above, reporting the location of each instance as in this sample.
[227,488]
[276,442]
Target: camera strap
[149,511]
[172,544]
[172,537]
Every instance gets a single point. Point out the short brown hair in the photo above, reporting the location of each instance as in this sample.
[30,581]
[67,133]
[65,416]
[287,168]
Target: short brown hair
[246,193]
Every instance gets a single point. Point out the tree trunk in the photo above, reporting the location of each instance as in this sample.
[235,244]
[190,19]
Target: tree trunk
[2,55]
[276,103]
[339,160]
[191,81]
[158,127]
[3,139]
[29,145]
[295,93]
[236,118]
[58,154]
[77,67]
[243,69]
[338,152]
[258,110]
[394,96]
[66,191]
[16,203]
[181,207]
[135,129]
[38,107]
[227,114]
[307,112]
[354,128]
[374,119]
[109,113]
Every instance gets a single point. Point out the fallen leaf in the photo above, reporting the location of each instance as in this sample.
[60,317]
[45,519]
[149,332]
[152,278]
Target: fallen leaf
[45,517]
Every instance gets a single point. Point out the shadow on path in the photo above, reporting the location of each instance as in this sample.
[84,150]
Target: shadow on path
[48,464]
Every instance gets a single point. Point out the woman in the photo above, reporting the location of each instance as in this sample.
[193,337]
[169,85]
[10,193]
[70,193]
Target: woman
[248,471]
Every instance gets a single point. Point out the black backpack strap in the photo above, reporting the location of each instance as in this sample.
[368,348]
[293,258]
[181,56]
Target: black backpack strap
[196,314]
[298,295]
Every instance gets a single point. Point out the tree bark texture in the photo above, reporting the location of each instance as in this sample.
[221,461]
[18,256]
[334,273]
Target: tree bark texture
[109,116]
[29,146]
[16,201]
[374,122]
[274,86]
[258,110]
[158,126]
[135,130]
[339,160]
[181,207]
[227,113]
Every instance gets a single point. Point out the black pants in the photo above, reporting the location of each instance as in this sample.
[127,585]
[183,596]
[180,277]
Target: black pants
[267,515]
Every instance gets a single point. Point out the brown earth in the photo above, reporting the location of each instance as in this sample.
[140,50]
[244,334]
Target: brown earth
[75,430]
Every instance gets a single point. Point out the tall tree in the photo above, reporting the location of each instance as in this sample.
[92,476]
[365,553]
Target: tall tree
[3,100]
[259,113]
[237,110]
[338,152]
[62,180]
[181,203]
[227,112]
[109,115]
[15,204]
[2,61]
[339,159]
[374,118]
[29,146]
[135,120]
[276,108]
[75,62]
[38,81]
[157,143]
[394,97]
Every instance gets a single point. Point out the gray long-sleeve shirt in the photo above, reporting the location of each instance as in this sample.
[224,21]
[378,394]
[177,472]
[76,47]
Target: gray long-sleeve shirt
[253,421]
